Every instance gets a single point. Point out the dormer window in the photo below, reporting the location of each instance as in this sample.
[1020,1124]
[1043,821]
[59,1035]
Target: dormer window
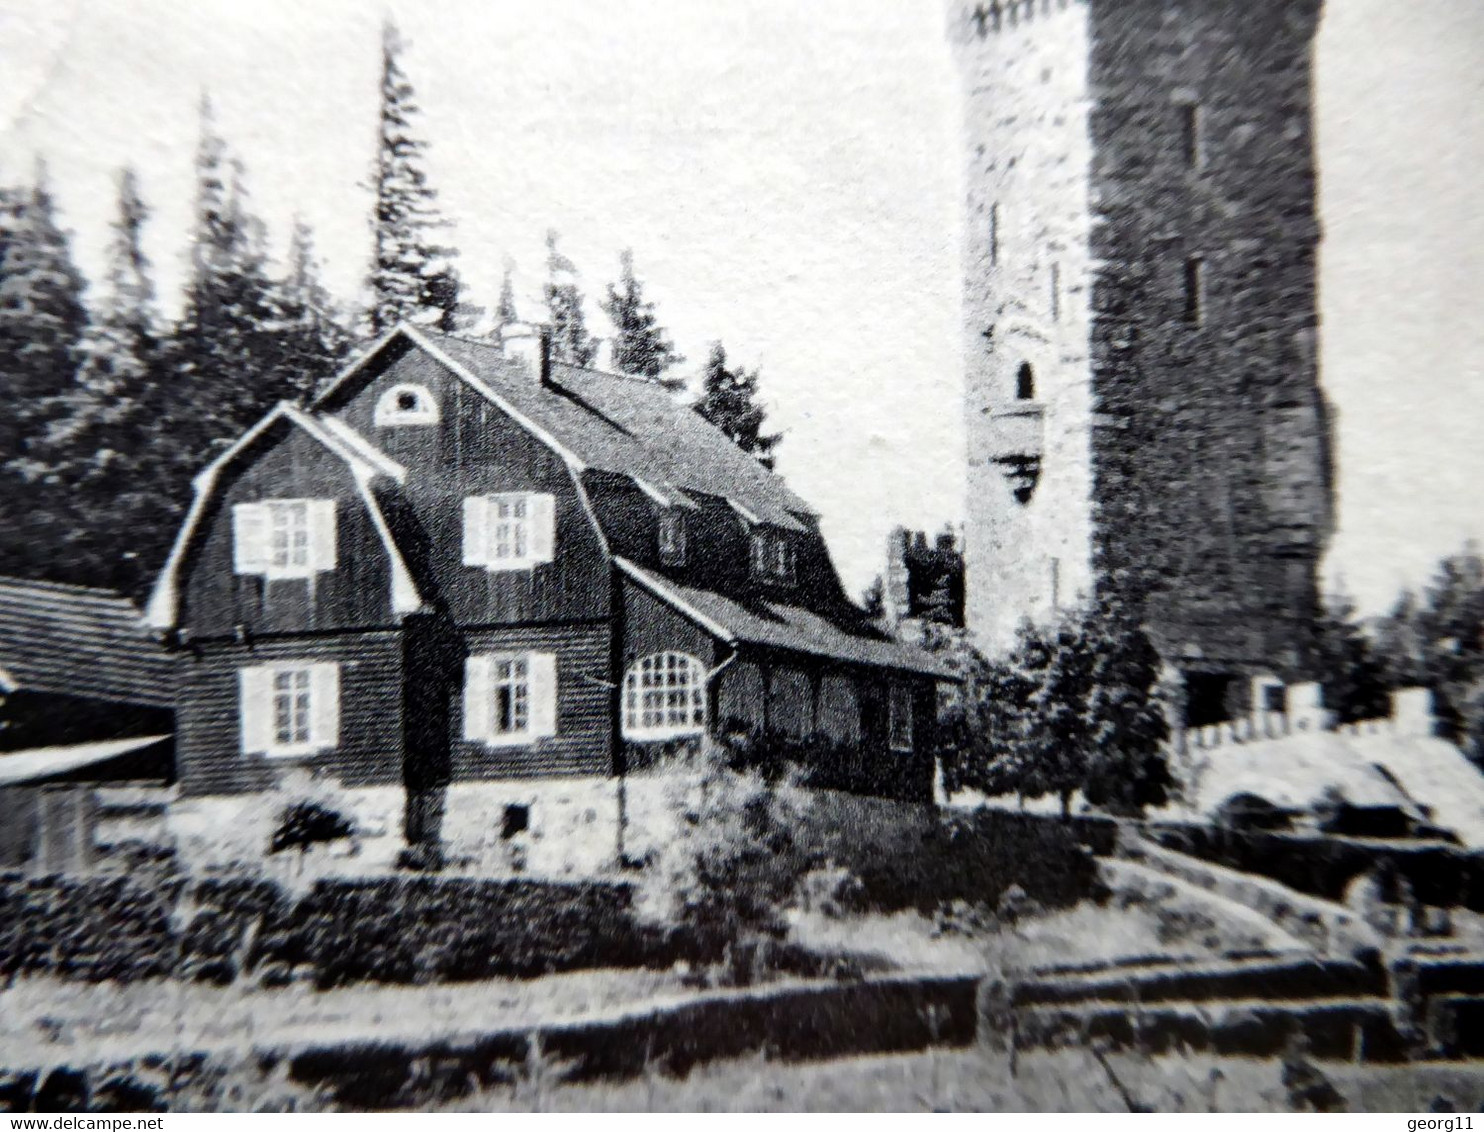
[773,557]
[284,538]
[672,538]
[406,405]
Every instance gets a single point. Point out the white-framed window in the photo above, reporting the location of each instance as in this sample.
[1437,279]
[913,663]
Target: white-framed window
[664,697]
[672,538]
[405,405]
[509,531]
[773,557]
[289,709]
[510,699]
[899,717]
[284,538]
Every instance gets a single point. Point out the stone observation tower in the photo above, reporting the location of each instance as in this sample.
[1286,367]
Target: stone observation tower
[1140,321]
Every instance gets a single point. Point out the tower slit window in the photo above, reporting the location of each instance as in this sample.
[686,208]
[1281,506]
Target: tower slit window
[1195,290]
[994,234]
[1192,147]
[1056,292]
[1025,383]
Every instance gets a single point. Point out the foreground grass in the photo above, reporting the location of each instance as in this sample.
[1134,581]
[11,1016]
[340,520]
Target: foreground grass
[980,1081]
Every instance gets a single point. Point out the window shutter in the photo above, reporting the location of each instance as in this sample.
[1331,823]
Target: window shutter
[255,708]
[542,667]
[324,706]
[542,510]
[322,534]
[476,531]
[249,538]
[478,699]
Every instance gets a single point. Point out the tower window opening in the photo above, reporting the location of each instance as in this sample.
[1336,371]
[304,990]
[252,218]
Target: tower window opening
[1192,146]
[994,234]
[1195,290]
[1056,292]
[1025,383]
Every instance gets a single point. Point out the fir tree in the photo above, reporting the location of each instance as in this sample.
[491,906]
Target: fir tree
[570,341]
[42,317]
[313,340]
[1350,670]
[729,401]
[223,353]
[505,310]
[412,276]
[120,351]
[640,346]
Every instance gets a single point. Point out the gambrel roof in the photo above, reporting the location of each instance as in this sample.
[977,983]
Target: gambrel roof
[79,641]
[612,423]
[367,465]
[594,422]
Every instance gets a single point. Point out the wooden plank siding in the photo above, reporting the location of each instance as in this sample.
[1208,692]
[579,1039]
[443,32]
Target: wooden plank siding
[582,744]
[355,595]
[475,449]
[209,752]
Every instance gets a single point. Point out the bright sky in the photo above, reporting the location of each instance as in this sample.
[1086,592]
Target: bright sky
[788,177]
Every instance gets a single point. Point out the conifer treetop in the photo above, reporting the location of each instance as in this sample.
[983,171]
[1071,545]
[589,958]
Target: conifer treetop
[412,278]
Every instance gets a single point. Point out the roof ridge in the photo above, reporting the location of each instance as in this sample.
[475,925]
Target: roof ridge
[97,592]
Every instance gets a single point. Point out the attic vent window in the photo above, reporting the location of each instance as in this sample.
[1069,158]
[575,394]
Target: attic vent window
[406,405]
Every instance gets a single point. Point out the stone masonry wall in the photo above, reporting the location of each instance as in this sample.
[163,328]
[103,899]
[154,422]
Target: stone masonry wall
[1025,303]
[1212,486]
[1184,450]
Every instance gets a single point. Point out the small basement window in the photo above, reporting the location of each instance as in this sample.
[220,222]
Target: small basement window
[517,819]
[406,405]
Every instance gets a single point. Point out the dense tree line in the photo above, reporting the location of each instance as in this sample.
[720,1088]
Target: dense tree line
[1074,707]
[112,407]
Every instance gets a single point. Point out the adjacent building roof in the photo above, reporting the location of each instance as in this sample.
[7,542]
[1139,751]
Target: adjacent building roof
[775,625]
[77,641]
[144,757]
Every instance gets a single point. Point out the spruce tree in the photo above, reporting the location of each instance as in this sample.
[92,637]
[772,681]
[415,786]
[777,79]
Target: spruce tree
[570,341]
[729,401]
[640,345]
[42,318]
[412,276]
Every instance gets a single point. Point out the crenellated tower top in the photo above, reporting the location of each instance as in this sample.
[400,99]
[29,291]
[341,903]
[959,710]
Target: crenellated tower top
[985,17]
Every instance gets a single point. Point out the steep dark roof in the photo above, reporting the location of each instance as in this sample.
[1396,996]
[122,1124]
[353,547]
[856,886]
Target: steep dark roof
[634,427]
[71,640]
[777,625]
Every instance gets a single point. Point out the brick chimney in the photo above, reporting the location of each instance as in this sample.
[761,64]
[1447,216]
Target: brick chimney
[528,344]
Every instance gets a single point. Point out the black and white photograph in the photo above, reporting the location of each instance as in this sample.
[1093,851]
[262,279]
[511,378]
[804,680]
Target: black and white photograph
[895,556]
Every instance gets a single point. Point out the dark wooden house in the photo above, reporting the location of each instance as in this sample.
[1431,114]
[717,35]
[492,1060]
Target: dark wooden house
[464,561]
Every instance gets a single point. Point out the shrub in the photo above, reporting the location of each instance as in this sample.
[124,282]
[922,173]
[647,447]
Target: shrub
[304,824]
[424,929]
[736,861]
